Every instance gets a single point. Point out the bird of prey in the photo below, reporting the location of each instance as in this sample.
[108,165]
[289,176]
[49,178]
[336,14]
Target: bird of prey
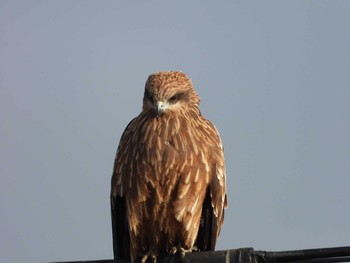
[168,189]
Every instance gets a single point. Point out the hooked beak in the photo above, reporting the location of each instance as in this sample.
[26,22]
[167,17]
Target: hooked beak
[160,107]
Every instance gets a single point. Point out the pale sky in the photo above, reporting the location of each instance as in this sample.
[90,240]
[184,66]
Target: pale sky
[273,76]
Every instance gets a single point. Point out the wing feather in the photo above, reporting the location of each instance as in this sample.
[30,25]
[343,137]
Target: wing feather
[121,238]
[120,226]
[215,201]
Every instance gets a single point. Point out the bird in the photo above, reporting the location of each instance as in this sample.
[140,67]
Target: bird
[168,187]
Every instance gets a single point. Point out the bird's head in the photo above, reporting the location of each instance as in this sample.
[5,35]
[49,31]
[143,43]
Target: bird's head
[170,91]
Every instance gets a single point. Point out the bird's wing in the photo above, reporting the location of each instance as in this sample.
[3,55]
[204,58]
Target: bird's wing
[121,238]
[204,237]
[215,200]
[211,221]
[120,228]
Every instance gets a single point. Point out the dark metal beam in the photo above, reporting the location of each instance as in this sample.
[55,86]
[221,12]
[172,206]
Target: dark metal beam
[249,255]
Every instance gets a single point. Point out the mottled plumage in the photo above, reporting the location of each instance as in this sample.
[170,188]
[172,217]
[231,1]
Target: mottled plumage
[168,190]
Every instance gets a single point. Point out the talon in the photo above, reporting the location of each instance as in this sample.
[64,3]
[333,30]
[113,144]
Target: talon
[184,251]
[144,258]
[149,255]
[173,250]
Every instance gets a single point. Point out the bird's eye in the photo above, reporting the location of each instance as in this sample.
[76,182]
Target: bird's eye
[175,98]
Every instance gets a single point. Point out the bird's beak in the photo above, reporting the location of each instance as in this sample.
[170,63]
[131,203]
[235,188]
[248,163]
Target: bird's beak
[160,107]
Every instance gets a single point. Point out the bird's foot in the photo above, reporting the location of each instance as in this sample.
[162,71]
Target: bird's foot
[149,255]
[183,251]
[173,250]
[195,249]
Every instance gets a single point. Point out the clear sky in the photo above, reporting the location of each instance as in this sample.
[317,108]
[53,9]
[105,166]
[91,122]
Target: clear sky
[273,76]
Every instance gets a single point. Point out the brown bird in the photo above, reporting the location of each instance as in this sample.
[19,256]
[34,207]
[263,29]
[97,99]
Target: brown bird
[168,190]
